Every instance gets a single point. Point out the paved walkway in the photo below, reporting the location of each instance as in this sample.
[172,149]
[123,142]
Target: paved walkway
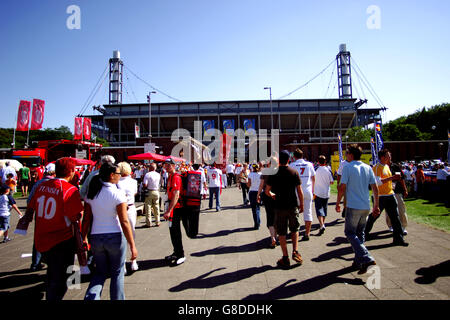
[231,261]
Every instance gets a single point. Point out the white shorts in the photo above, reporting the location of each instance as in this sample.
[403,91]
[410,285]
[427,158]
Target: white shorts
[307,207]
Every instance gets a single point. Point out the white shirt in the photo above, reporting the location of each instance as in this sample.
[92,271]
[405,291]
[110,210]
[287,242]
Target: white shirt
[152,180]
[129,186]
[104,209]
[7,170]
[139,173]
[238,170]
[214,177]
[323,180]
[442,174]
[255,178]
[230,168]
[306,171]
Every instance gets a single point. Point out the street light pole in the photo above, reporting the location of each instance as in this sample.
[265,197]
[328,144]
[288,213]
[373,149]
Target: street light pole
[150,115]
[271,113]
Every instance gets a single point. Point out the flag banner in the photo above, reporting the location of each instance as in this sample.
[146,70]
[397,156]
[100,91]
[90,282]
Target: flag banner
[37,116]
[137,131]
[249,126]
[341,158]
[228,126]
[374,153]
[87,128]
[208,126]
[23,116]
[226,148]
[378,136]
[78,129]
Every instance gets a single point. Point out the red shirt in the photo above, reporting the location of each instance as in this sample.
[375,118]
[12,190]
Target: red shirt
[174,184]
[40,172]
[56,203]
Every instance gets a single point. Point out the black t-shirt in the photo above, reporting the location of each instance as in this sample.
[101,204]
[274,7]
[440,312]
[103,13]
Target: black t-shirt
[284,184]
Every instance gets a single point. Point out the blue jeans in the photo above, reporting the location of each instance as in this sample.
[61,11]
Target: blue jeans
[109,251]
[253,195]
[58,259]
[214,192]
[355,223]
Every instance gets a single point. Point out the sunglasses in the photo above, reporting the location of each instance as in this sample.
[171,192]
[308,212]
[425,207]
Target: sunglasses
[117,173]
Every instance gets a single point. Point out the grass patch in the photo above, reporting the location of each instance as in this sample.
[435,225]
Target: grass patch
[433,214]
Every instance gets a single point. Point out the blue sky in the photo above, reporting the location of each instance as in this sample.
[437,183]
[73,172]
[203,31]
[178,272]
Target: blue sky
[201,50]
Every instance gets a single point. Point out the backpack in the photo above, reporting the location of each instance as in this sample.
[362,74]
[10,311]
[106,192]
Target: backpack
[191,188]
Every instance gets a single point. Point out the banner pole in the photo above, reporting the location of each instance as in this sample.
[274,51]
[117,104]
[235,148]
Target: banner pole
[14,135]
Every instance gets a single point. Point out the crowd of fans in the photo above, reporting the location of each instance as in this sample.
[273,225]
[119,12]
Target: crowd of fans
[99,203]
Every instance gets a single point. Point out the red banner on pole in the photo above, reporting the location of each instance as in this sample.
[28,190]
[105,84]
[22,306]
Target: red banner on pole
[78,130]
[37,117]
[23,117]
[226,148]
[87,128]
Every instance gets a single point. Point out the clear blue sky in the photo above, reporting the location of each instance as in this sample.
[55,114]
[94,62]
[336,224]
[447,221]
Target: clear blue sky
[200,50]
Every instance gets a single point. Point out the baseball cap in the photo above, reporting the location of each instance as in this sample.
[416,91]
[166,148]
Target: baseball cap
[169,161]
[3,188]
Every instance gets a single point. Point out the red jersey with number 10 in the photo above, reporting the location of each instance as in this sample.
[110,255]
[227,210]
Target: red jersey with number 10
[56,204]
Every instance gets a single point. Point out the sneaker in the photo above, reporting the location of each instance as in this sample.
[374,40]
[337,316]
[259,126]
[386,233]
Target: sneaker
[134,265]
[178,260]
[284,263]
[366,266]
[297,257]
[321,231]
[391,229]
[273,245]
[305,238]
[37,267]
[6,239]
[405,232]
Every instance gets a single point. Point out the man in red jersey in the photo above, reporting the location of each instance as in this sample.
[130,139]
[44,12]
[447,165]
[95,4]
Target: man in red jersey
[174,213]
[57,204]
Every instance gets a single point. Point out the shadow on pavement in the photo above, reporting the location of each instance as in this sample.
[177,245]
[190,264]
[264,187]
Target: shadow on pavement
[287,290]
[20,278]
[250,247]
[203,282]
[339,253]
[430,274]
[149,264]
[222,233]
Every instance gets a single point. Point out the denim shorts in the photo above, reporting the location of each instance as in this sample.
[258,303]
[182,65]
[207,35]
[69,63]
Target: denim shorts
[4,223]
[321,206]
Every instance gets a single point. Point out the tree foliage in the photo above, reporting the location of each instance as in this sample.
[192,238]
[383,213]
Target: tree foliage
[357,134]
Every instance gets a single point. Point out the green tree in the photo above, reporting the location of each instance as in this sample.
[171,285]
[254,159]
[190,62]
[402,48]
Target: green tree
[357,134]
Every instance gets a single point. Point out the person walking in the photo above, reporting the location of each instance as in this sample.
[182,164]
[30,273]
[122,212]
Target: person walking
[57,206]
[129,186]
[24,179]
[174,213]
[282,187]
[152,180]
[269,207]
[242,183]
[6,203]
[355,181]
[110,230]
[324,179]
[85,187]
[387,197]
[215,184]
[307,174]
[230,173]
[400,192]
[5,171]
[420,181]
[253,185]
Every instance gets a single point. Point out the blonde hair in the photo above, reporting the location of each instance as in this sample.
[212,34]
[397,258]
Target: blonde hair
[125,169]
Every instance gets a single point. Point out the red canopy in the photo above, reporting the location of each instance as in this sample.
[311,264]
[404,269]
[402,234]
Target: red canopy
[81,162]
[148,156]
[176,159]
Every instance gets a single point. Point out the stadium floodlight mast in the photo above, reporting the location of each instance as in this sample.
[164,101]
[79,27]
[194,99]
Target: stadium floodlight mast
[150,114]
[271,113]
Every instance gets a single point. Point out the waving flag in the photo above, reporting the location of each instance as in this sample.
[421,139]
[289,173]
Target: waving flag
[23,116]
[78,130]
[341,158]
[37,116]
[378,136]
[87,128]
[137,131]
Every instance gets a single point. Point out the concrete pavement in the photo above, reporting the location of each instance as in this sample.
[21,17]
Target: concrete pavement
[229,260]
